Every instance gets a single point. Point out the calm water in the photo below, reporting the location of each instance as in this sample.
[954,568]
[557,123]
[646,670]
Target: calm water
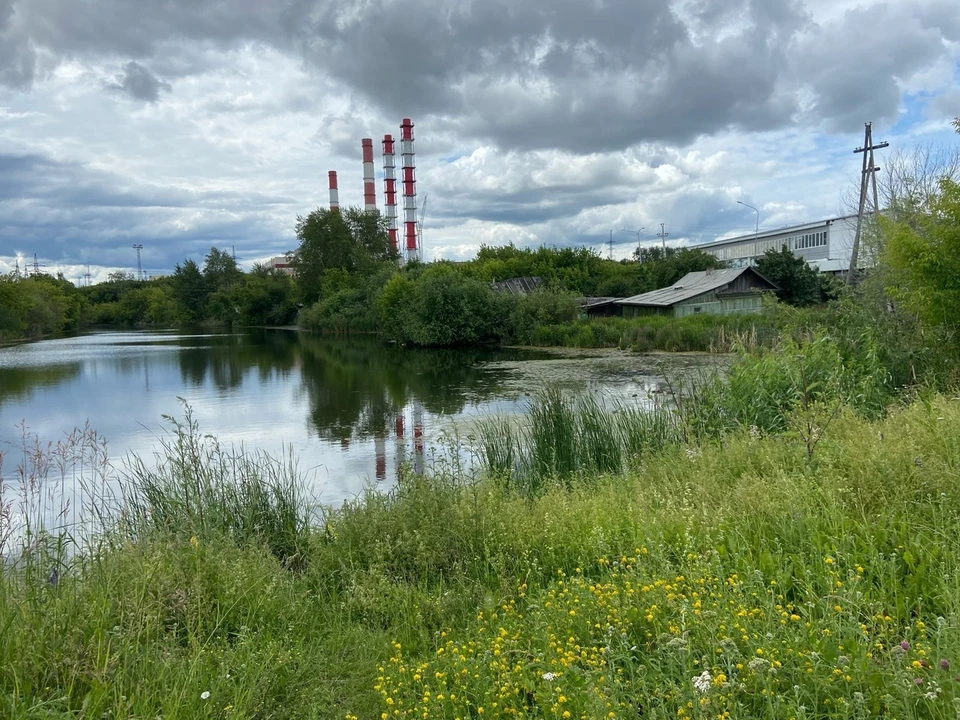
[352,410]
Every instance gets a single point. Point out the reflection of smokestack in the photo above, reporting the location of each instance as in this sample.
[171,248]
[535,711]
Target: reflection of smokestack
[390,189]
[369,185]
[334,193]
[344,444]
[380,444]
[409,189]
[401,444]
[417,438]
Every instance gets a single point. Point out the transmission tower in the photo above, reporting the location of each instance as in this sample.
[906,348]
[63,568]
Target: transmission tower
[87,276]
[36,265]
[868,177]
[138,247]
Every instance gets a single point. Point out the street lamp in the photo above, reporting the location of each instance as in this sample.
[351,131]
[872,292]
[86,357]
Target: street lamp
[638,237]
[757,231]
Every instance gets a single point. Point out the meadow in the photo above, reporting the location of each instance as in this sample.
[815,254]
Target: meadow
[792,553]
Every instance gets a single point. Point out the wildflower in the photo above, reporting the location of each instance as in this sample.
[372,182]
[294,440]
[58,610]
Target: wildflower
[918,681]
[828,560]
[702,682]
[944,664]
[205,694]
[194,541]
[549,676]
[904,645]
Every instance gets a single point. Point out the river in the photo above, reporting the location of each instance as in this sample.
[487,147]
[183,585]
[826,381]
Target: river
[352,410]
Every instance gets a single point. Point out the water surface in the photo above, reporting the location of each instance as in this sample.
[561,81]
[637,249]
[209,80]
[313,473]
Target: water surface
[352,410]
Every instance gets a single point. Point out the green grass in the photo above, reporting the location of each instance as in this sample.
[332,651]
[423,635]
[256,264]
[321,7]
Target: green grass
[625,585]
[701,333]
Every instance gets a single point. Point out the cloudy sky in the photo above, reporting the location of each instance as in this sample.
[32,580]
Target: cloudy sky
[182,124]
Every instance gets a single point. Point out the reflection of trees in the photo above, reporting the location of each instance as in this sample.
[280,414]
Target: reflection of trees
[356,385]
[227,359]
[18,383]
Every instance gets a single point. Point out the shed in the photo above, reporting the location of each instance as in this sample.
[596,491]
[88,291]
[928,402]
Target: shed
[720,292]
[598,306]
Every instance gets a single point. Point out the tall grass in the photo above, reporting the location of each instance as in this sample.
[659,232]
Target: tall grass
[197,488]
[701,333]
[566,438]
[826,565]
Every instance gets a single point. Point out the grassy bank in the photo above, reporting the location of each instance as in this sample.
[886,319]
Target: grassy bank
[703,333]
[788,583]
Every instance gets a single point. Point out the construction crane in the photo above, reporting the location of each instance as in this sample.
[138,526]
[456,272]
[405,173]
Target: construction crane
[423,214]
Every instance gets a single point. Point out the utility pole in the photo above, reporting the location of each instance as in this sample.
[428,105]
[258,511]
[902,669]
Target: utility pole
[868,176]
[638,238]
[36,265]
[611,244]
[87,276]
[17,271]
[138,247]
[663,238]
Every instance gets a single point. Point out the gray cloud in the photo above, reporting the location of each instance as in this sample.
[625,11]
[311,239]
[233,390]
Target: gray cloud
[538,74]
[76,214]
[138,82]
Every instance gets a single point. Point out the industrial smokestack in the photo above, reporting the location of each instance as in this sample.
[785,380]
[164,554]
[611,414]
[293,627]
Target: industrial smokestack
[409,189]
[334,193]
[369,184]
[390,189]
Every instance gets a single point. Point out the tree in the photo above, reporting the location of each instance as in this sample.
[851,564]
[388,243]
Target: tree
[191,291]
[220,270]
[923,256]
[798,282]
[351,240]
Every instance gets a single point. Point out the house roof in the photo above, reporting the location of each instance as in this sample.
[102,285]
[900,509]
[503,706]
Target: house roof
[691,285]
[517,286]
[590,302]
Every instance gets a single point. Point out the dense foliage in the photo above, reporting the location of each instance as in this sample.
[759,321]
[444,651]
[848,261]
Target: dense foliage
[219,292]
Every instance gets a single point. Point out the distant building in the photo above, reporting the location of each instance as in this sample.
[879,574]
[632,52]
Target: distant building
[825,245]
[720,292]
[280,263]
[517,286]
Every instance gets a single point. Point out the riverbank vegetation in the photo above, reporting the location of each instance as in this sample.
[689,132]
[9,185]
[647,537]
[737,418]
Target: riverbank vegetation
[793,559]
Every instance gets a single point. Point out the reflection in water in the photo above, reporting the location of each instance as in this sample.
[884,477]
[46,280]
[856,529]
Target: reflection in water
[352,409]
[20,383]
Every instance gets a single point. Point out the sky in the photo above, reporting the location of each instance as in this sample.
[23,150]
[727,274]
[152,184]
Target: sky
[186,124]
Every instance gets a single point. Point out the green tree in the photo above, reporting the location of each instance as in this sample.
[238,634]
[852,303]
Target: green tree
[351,240]
[924,259]
[191,291]
[798,282]
[220,270]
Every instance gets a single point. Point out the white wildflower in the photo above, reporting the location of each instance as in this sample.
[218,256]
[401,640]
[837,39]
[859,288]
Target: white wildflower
[549,676]
[205,694]
[702,682]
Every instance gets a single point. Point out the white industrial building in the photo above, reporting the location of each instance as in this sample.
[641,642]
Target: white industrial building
[281,264]
[826,245]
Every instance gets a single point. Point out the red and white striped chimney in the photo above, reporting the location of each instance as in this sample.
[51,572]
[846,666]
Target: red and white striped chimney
[409,189]
[334,192]
[390,189]
[369,184]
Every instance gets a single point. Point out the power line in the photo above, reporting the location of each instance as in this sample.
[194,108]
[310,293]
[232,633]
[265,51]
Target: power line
[868,177]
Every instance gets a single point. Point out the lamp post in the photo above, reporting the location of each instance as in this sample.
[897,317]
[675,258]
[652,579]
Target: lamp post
[638,238]
[757,231]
